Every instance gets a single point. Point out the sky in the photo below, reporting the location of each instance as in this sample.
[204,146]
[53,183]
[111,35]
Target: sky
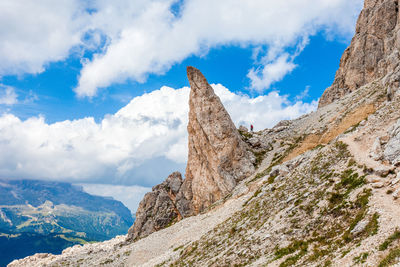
[95,92]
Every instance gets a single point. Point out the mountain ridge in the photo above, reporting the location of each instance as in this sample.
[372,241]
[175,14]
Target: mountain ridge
[43,216]
[326,186]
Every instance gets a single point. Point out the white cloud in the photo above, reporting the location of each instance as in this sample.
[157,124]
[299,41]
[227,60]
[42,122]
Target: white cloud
[133,39]
[34,33]
[139,145]
[130,196]
[271,72]
[8,96]
[155,39]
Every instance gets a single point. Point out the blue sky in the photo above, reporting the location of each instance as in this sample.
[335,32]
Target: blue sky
[228,65]
[95,93]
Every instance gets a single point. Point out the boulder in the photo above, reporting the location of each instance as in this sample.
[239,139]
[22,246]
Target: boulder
[376,152]
[374,179]
[383,171]
[392,148]
[378,185]
[279,170]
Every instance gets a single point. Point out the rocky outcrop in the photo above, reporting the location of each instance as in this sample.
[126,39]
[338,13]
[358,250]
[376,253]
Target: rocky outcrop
[373,52]
[218,158]
[157,209]
[392,148]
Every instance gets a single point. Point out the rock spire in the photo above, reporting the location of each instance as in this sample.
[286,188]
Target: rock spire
[218,159]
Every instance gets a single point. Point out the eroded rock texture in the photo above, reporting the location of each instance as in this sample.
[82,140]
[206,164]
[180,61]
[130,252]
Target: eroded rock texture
[218,158]
[157,209]
[373,52]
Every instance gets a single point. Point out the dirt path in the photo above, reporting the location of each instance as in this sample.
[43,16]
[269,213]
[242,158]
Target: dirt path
[380,202]
[166,244]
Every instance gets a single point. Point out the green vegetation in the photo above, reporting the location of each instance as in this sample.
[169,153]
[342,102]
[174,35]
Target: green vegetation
[26,244]
[362,204]
[393,237]
[107,261]
[373,225]
[290,261]
[352,128]
[318,223]
[271,179]
[75,239]
[293,247]
[245,135]
[361,258]
[178,248]
[277,158]
[318,147]
[391,258]
[260,155]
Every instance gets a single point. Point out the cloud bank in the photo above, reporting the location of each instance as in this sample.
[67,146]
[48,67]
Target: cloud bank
[123,148]
[129,40]
[129,195]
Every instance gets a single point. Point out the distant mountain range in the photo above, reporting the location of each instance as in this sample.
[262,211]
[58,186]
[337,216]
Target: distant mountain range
[39,216]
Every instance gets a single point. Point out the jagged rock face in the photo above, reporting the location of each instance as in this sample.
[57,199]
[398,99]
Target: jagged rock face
[157,209]
[373,52]
[218,158]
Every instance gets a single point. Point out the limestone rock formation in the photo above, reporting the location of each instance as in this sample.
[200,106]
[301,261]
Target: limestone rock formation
[157,209]
[373,52]
[317,200]
[218,158]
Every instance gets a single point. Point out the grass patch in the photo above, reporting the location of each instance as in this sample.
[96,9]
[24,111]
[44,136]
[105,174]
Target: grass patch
[373,225]
[320,146]
[290,261]
[391,258]
[245,135]
[362,204]
[393,237]
[260,155]
[362,258]
[352,128]
[178,248]
[350,181]
[255,195]
[271,179]
[293,247]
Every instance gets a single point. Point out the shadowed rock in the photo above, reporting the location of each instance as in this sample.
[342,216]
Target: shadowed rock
[157,209]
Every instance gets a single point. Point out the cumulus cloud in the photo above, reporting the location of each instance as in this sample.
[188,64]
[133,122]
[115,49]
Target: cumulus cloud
[271,72]
[132,39]
[156,38]
[125,147]
[8,96]
[34,33]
